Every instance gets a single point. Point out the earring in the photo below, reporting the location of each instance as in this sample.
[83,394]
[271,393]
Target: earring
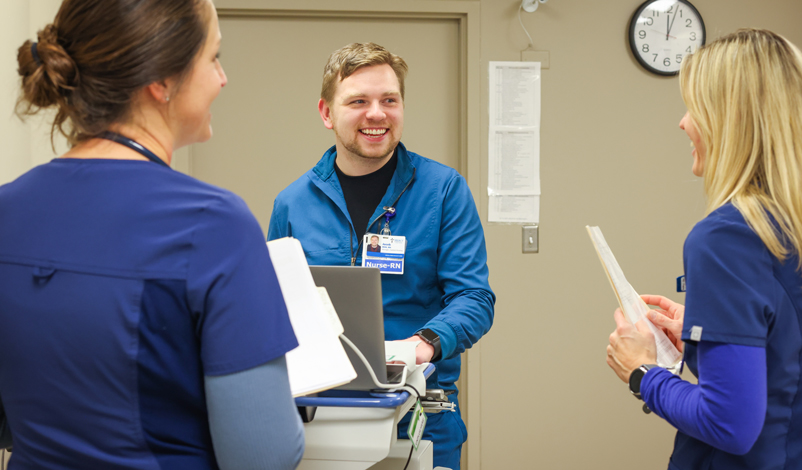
[167,99]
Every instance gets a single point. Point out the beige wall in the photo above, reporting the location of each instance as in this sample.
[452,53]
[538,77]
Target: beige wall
[612,156]
[24,144]
[14,136]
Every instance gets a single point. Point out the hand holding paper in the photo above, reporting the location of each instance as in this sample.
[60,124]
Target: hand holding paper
[633,306]
[668,317]
[630,346]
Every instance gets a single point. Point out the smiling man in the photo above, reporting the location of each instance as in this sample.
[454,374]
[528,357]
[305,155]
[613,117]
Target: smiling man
[369,183]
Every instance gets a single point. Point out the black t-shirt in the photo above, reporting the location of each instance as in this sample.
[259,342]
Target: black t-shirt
[364,193]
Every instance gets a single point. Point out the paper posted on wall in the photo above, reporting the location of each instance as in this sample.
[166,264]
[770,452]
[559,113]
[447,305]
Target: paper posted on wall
[634,308]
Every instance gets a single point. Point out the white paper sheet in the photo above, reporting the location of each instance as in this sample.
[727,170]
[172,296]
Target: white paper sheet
[319,362]
[634,308]
[401,351]
[514,142]
[328,307]
[517,209]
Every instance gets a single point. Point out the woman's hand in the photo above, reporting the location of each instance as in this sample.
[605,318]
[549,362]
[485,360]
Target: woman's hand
[630,346]
[668,318]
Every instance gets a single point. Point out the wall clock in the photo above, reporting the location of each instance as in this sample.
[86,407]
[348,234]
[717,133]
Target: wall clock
[663,32]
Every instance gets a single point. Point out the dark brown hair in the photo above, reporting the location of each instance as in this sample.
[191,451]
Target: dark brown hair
[97,54]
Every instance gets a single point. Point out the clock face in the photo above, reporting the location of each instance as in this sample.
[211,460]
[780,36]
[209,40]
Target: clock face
[663,32]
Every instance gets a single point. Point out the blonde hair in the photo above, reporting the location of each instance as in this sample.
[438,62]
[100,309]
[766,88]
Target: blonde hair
[744,92]
[347,60]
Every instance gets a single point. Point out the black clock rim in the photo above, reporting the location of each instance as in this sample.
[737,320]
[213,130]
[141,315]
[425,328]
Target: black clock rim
[631,37]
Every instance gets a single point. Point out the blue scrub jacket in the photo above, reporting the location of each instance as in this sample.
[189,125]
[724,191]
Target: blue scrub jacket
[445,282]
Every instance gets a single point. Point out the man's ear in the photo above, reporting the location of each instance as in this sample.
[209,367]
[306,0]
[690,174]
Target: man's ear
[158,91]
[325,113]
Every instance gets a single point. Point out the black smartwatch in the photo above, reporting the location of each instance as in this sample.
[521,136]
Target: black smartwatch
[636,377]
[431,337]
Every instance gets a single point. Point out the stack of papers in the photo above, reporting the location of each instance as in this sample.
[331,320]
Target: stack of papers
[319,362]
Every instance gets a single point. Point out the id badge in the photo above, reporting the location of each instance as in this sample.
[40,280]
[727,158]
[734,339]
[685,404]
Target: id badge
[416,425]
[385,252]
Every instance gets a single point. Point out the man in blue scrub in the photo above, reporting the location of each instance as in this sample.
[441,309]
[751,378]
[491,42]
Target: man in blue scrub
[435,284]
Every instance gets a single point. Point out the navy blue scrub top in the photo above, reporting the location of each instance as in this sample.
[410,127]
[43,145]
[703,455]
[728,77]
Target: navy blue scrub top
[739,293]
[123,283]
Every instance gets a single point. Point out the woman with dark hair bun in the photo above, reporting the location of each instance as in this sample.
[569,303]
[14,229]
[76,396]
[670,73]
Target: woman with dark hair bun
[143,326]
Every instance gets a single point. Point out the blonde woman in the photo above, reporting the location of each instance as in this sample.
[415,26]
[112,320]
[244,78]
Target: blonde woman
[741,327]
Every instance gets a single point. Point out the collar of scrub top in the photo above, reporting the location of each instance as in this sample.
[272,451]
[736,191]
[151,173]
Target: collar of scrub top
[133,145]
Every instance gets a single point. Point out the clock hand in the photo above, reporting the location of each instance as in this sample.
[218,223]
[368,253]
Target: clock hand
[668,28]
[672,19]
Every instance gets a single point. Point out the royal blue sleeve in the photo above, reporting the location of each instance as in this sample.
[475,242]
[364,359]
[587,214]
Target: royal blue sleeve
[463,274]
[234,292]
[727,408]
[253,419]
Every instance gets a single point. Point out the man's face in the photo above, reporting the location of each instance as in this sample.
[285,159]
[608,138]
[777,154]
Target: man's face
[366,114]
[374,241]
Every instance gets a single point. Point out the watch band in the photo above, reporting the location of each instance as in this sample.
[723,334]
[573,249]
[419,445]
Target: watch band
[430,337]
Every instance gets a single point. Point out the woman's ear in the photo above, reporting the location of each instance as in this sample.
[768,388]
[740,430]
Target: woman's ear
[159,91]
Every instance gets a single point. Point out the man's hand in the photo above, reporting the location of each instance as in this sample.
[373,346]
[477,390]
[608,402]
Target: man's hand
[668,317]
[424,351]
[630,346]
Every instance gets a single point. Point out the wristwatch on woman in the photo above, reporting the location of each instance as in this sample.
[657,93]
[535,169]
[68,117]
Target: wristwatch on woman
[636,377]
[430,337]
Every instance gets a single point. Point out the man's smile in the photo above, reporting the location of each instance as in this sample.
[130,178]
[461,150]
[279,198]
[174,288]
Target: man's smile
[374,132]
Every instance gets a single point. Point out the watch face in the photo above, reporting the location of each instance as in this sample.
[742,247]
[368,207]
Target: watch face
[428,335]
[635,379]
[663,32]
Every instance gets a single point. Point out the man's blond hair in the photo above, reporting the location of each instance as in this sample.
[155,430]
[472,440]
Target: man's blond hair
[744,92]
[347,60]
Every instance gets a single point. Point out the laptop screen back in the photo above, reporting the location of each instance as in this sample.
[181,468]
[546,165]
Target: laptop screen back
[356,294]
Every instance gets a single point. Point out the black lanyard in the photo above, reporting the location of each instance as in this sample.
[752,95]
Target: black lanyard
[133,145]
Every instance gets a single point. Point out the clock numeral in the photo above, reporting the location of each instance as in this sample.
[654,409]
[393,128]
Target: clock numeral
[649,21]
[688,23]
[645,48]
[670,10]
[679,58]
[688,50]
[667,62]
[693,36]
[655,57]
[642,34]
[680,12]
